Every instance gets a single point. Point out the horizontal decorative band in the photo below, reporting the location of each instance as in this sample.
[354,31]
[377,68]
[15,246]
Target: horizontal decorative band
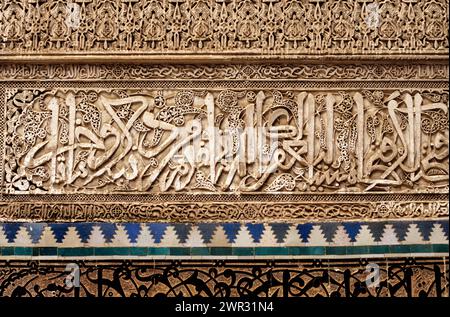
[223,72]
[233,234]
[219,252]
[174,29]
[220,211]
[257,278]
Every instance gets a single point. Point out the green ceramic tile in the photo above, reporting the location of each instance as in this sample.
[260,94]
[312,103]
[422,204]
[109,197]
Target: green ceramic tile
[440,248]
[221,251]
[306,250]
[316,251]
[23,251]
[7,251]
[111,251]
[158,251]
[180,251]
[76,252]
[399,248]
[271,251]
[36,251]
[138,251]
[48,251]
[336,250]
[421,248]
[378,249]
[200,251]
[357,250]
[243,251]
[294,250]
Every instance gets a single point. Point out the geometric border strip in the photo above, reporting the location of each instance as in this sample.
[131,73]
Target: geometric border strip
[223,239]
[94,72]
[398,277]
[190,211]
[416,250]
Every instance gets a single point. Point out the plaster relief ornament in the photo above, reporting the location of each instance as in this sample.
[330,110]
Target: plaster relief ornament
[127,140]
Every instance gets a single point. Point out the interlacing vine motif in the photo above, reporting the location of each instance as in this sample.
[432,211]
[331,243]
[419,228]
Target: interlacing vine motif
[288,26]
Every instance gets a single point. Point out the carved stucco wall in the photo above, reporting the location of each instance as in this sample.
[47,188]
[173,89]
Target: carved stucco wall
[278,134]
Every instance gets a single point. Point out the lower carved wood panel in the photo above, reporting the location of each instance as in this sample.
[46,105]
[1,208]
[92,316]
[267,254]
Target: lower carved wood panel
[301,278]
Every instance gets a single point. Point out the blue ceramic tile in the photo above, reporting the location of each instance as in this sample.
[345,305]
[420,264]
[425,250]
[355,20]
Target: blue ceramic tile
[132,230]
[84,231]
[280,231]
[401,228]
[425,228]
[352,229]
[329,229]
[256,230]
[444,224]
[108,230]
[304,230]
[157,230]
[182,230]
[207,230]
[35,231]
[231,229]
[59,230]
[11,229]
[377,229]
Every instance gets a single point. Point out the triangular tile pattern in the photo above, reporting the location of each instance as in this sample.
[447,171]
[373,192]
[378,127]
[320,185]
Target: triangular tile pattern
[224,234]
[389,236]
[59,230]
[279,230]
[244,238]
[231,230]
[293,238]
[413,235]
[219,238]
[47,238]
[194,238]
[304,231]
[132,230]
[341,237]
[145,238]
[268,238]
[22,239]
[157,231]
[35,231]
[364,236]
[316,236]
[207,230]
[437,234]
[3,239]
[170,238]
[121,238]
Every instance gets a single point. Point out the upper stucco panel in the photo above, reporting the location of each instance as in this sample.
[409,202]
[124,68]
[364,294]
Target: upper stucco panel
[222,29]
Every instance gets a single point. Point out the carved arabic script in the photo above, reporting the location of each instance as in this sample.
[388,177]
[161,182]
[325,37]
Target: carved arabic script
[102,141]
